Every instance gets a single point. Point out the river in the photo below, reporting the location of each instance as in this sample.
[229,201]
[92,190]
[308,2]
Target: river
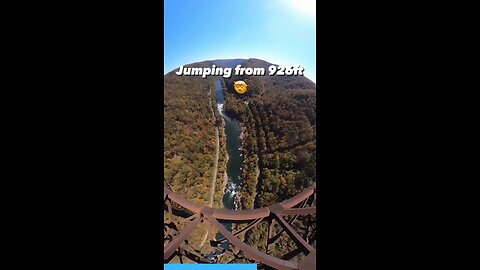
[234,144]
[235,159]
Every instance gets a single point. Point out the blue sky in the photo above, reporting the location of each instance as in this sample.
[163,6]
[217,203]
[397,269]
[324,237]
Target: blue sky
[278,31]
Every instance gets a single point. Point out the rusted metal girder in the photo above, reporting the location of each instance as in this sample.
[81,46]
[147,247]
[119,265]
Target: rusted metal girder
[175,243]
[249,226]
[211,216]
[253,253]
[239,215]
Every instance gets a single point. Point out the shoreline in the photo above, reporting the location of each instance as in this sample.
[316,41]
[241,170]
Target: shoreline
[225,174]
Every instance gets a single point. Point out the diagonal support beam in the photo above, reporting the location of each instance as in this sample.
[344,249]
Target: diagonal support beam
[169,207]
[280,209]
[293,234]
[251,252]
[244,230]
[175,243]
[269,235]
[297,251]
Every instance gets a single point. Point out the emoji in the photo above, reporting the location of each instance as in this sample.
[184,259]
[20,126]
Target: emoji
[240,87]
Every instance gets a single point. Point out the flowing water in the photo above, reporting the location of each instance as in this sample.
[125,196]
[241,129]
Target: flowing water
[234,164]
[234,144]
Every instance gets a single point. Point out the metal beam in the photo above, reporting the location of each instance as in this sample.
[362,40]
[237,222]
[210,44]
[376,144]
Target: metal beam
[175,243]
[250,251]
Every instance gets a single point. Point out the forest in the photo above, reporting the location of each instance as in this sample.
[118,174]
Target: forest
[279,114]
[189,137]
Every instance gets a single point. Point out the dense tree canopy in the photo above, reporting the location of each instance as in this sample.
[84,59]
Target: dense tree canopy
[189,136]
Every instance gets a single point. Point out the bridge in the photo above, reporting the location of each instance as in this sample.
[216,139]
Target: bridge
[284,213]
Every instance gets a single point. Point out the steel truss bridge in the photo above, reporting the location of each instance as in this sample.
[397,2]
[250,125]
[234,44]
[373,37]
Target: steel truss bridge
[283,213]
